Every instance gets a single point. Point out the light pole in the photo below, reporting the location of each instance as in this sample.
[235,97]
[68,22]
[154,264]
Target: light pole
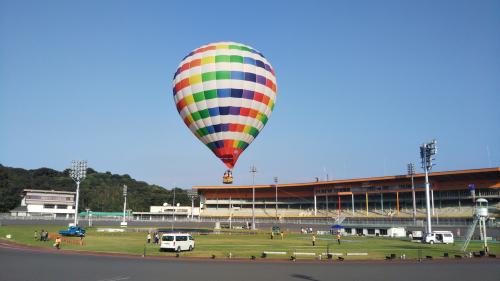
[427,152]
[89,216]
[124,222]
[193,194]
[173,210]
[253,170]
[276,188]
[78,172]
[411,172]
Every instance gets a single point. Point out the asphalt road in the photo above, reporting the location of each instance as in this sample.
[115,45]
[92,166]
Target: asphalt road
[42,265]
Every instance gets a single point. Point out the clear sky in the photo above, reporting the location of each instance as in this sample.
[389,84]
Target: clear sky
[361,84]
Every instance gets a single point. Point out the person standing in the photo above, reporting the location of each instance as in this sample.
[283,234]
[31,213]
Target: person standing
[149,238]
[57,244]
[281,234]
[338,237]
[36,235]
[314,240]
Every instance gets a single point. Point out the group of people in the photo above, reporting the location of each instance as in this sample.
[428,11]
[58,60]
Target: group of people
[44,235]
[281,235]
[313,238]
[305,230]
[155,236]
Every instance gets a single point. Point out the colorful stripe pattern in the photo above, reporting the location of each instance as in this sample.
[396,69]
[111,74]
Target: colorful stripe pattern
[225,93]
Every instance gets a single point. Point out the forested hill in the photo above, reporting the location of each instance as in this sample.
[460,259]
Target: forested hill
[99,191]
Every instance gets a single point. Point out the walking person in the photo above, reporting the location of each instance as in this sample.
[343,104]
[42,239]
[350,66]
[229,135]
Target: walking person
[36,235]
[281,234]
[57,244]
[149,238]
[338,237]
[314,240]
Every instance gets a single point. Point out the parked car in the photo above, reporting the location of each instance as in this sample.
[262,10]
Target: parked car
[73,231]
[177,242]
[445,237]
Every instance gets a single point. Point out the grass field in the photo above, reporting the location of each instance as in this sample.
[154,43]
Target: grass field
[244,245]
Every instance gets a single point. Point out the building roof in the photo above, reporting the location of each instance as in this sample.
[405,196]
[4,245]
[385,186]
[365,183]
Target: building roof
[20,209]
[49,191]
[470,174]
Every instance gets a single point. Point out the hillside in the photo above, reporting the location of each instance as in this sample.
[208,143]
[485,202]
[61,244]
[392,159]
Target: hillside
[99,191]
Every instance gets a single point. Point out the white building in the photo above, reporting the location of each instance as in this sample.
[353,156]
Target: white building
[48,203]
[167,212]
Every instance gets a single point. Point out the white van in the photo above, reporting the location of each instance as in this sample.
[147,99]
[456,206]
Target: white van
[177,242]
[445,237]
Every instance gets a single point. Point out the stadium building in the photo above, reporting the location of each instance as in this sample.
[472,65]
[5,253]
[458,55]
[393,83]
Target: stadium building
[453,194]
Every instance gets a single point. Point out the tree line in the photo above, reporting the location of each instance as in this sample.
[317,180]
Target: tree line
[102,192]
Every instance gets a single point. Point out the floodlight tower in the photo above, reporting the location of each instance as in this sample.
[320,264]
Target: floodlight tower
[124,222]
[253,170]
[427,152]
[78,172]
[411,172]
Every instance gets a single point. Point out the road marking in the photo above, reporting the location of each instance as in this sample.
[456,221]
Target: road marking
[118,278]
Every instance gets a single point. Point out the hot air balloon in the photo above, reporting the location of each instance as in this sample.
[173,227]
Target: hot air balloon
[225,93]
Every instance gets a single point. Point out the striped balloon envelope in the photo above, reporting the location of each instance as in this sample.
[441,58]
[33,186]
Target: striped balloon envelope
[225,93]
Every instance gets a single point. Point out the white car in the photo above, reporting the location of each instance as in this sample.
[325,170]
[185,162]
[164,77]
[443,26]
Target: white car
[445,237]
[177,242]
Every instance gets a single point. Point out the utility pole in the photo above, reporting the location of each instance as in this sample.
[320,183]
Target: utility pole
[253,170]
[173,210]
[89,216]
[411,172]
[124,222]
[427,152]
[78,172]
[276,188]
[193,194]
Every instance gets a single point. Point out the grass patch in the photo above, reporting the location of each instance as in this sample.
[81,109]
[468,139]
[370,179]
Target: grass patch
[243,245]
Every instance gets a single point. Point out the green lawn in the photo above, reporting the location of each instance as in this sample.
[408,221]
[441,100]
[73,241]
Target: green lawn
[242,245]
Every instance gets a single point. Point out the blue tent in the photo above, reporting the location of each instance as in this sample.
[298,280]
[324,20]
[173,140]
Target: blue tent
[336,226]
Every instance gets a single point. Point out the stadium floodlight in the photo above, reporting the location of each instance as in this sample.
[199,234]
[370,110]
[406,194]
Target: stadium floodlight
[78,172]
[253,170]
[427,152]
[124,222]
[193,194]
[276,188]
[411,173]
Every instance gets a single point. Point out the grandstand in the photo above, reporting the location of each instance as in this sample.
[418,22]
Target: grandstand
[388,196]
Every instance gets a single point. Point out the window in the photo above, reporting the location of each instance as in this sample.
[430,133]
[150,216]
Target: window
[168,238]
[182,238]
[62,206]
[191,238]
[49,206]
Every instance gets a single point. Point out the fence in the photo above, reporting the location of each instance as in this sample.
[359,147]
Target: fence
[299,221]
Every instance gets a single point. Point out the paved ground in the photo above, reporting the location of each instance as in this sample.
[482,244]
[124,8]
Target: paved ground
[21,263]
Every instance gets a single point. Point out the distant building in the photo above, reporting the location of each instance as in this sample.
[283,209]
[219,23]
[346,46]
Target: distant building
[167,212]
[48,203]
[452,195]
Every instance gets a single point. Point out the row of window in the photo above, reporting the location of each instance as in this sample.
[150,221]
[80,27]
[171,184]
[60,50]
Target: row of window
[365,189]
[52,206]
[49,198]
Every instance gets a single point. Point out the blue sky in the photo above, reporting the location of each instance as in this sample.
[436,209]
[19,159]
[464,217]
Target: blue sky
[361,84]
